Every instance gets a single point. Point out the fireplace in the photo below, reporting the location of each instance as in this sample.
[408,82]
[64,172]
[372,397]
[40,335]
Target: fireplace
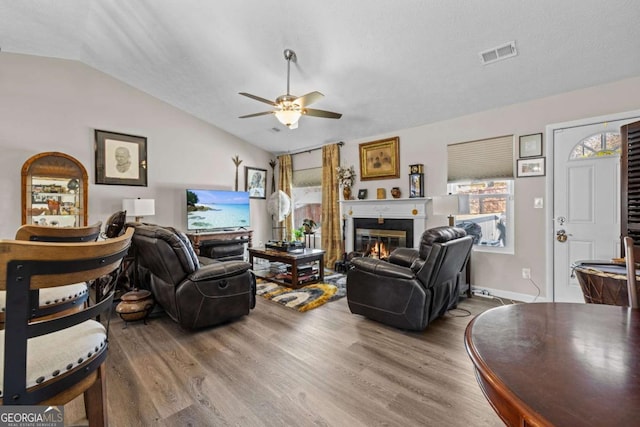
[411,212]
[378,238]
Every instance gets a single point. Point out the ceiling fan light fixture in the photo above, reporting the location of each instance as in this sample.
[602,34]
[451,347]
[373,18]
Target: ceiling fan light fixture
[289,108]
[289,114]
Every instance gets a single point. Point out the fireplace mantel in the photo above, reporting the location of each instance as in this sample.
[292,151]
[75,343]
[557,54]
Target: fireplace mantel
[413,208]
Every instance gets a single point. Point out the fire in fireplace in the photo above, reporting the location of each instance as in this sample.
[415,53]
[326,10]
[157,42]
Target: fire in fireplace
[378,239]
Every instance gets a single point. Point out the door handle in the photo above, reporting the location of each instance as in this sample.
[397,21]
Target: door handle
[562,236]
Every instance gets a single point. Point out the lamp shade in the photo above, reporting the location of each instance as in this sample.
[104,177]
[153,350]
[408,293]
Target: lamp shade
[288,117]
[139,207]
[446,205]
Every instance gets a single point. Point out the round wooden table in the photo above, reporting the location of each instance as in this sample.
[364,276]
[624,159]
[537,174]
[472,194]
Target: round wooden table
[559,364]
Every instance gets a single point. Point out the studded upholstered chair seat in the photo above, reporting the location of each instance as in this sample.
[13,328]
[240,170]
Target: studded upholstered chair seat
[54,354]
[53,297]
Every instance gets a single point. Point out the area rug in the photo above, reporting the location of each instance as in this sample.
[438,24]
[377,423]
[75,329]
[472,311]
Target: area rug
[306,297]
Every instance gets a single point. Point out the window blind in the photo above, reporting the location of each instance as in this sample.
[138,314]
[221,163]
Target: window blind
[307,177]
[483,159]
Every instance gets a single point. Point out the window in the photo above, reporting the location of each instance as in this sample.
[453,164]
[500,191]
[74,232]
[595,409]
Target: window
[598,145]
[481,174]
[486,213]
[307,200]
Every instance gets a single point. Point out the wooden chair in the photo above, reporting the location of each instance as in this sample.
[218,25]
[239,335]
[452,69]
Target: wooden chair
[62,298]
[39,233]
[52,361]
[630,260]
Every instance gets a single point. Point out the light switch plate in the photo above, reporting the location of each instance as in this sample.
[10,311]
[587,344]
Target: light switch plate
[538,203]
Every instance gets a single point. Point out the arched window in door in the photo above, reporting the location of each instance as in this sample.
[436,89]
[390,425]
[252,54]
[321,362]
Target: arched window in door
[598,145]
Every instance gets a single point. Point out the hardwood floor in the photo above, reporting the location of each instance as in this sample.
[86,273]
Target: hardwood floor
[278,367]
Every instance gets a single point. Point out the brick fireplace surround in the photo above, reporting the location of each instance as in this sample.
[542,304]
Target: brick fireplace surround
[412,209]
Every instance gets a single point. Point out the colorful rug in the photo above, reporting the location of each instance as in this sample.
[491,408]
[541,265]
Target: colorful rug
[306,297]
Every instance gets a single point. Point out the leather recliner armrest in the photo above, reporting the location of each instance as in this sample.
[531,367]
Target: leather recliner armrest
[403,256]
[382,268]
[203,260]
[219,270]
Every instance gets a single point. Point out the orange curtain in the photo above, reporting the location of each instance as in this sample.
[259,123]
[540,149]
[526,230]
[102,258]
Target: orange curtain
[331,226]
[285,183]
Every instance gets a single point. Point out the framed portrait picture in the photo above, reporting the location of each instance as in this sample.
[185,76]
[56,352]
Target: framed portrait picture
[362,194]
[531,167]
[255,182]
[120,159]
[380,159]
[531,145]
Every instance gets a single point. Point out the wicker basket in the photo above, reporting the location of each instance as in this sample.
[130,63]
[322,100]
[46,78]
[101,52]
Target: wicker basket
[601,287]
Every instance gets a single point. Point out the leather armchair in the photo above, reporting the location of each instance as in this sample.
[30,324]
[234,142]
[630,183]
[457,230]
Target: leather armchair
[413,287]
[194,294]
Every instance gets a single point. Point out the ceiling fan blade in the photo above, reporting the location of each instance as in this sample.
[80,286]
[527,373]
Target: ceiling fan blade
[321,113]
[257,98]
[257,114]
[308,99]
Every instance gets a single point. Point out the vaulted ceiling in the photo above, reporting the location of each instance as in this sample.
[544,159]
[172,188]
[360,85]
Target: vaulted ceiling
[385,65]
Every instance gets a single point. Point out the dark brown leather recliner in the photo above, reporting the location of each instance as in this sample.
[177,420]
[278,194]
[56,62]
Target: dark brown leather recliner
[413,287]
[194,294]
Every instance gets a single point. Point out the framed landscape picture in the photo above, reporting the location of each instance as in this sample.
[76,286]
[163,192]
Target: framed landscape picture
[380,159]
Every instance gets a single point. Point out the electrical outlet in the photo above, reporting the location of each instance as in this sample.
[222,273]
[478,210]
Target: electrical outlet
[526,273]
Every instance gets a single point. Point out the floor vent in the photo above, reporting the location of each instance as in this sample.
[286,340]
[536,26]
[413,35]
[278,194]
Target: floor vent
[499,53]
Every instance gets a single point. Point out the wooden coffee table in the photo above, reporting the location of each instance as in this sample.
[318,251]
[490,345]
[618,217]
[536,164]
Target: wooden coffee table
[294,259]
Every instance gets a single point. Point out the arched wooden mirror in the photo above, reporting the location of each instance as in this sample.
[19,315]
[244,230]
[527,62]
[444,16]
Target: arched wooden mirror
[54,191]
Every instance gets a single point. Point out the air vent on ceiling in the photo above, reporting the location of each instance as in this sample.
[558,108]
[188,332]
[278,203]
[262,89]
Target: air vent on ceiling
[499,53]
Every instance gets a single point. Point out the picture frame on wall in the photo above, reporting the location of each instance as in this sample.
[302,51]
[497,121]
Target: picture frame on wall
[255,182]
[380,159]
[531,167]
[531,145]
[120,159]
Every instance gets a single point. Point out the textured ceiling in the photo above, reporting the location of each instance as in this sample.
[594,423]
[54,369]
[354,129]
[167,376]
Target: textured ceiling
[385,65]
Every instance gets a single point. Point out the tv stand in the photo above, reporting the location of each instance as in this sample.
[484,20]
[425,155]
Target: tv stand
[221,242]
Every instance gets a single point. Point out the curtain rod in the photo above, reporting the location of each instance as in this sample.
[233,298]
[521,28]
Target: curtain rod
[340,144]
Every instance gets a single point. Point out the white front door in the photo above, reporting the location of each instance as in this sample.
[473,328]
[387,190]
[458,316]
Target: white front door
[586,205]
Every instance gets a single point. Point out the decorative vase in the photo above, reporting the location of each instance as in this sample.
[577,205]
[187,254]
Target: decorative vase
[346,192]
[395,192]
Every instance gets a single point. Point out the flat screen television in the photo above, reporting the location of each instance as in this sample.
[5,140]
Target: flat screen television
[217,210]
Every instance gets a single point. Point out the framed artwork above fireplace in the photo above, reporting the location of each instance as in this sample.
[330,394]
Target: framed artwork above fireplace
[380,159]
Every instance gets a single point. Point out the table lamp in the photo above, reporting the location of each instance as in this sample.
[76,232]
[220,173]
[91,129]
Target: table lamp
[139,207]
[446,205]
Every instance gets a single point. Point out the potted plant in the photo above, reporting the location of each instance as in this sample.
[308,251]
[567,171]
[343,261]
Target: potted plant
[308,225]
[298,233]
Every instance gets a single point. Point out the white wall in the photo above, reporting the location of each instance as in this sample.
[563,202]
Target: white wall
[428,144]
[55,105]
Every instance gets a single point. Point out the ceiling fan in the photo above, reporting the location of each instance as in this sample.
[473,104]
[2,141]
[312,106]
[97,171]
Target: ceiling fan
[289,108]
